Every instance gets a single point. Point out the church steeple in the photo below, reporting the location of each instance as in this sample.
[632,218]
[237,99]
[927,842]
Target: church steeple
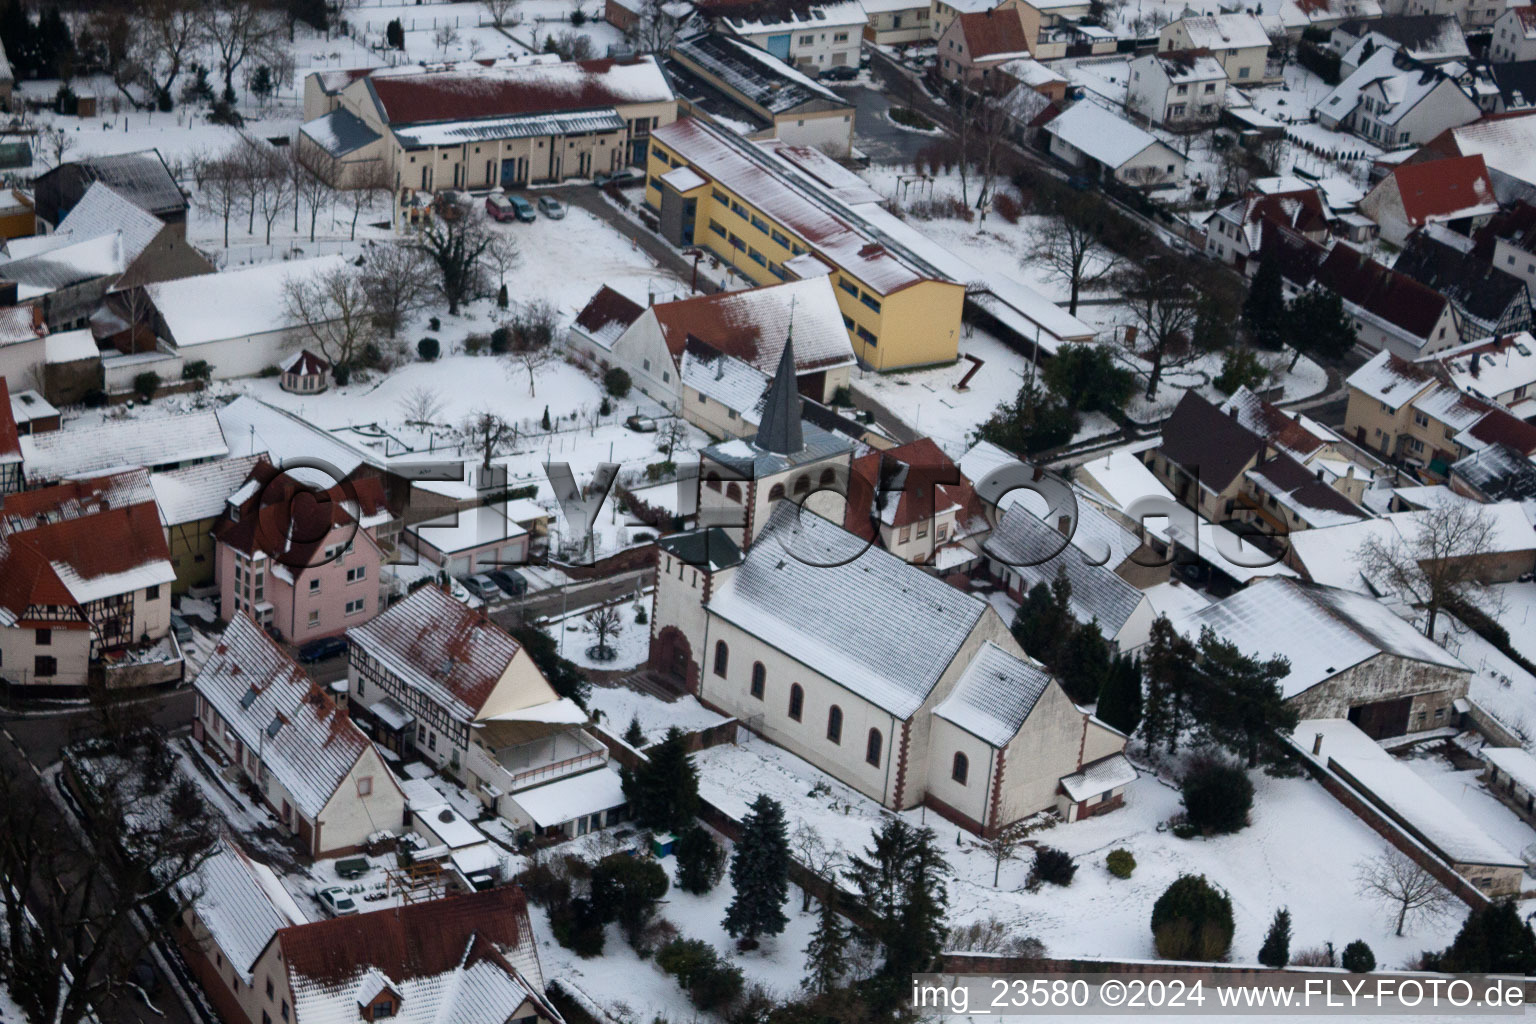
[779,430]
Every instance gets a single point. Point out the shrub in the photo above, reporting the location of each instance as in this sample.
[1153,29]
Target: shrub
[501,340]
[1217,797]
[146,384]
[992,936]
[475,344]
[718,987]
[1316,956]
[626,889]
[197,370]
[653,936]
[616,382]
[1358,958]
[911,118]
[700,861]
[1120,863]
[1240,367]
[641,616]
[94,398]
[605,407]
[544,886]
[270,371]
[684,959]
[1054,866]
[578,18]
[578,926]
[343,373]
[435,324]
[428,349]
[223,112]
[1008,207]
[501,297]
[1192,920]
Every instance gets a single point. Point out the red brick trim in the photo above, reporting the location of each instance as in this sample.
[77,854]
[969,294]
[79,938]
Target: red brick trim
[949,813]
[997,794]
[901,764]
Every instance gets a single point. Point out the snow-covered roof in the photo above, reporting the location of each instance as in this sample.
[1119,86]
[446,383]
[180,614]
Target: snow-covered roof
[1223,32]
[753,325]
[1391,379]
[572,797]
[756,74]
[1301,13]
[469,529]
[1186,65]
[339,132]
[194,493]
[994,695]
[26,405]
[75,261]
[872,622]
[518,126]
[1102,134]
[1321,630]
[824,15]
[1505,142]
[70,346]
[147,441]
[731,382]
[1101,776]
[235,304]
[103,210]
[1030,72]
[253,427]
[1428,815]
[304,741]
[1399,89]
[1515,762]
[242,905]
[1502,365]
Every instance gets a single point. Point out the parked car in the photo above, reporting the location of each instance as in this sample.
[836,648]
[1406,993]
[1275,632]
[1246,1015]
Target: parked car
[336,901]
[319,650]
[505,208]
[509,580]
[551,207]
[841,73]
[622,176]
[353,867]
[182,628]
[641,424]
[483,587]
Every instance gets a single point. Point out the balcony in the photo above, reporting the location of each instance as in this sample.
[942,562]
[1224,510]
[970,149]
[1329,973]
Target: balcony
[532,762]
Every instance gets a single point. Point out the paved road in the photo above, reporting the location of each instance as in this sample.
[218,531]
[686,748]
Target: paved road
[874,133]
[577,595]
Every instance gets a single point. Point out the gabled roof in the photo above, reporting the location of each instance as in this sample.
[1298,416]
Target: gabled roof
[1499,473]
[1304,493]
[1321,630]
[1391,379]
[1516,81]
[754,325]
[1224,32]
[453,654]
[194,493]
[995,32]
[73,499]
[145,441]
[234,304]
[711,549]
[1208,443]
[1445,190]
[736,385]
[242,904]
[1504,141]
[757,75]
[607,315]
[254,427]
[1397,80]
[1429,37]
[267,516]
[10,438]
[470,958]
[1272,423]
[1381,291]
[994,695]
[304,740]
[1188,65]
[339,132]
[1482,291]
[142,178]
[920,482]
[878,626]
[1102,134]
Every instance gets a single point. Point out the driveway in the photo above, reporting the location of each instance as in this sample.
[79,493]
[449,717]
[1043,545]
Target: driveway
[874,133]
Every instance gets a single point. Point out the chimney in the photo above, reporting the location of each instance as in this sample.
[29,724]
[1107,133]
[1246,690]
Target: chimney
[1477,358]
[1232,411]
[1064,525]
[1319,472]
[1349,471]
[1317,744]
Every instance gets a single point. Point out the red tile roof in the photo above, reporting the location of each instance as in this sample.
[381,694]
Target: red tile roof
[114,541]
[460,94]
[284,516]
[1381,291]
[10,439]
[608,307]
[1499,427]
[931,484]
[1442,188]
[1000,30]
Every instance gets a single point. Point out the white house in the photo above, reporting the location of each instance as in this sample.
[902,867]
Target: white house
[1094,139]
[1393,101]
[1239,43]
[237,321]
[1177,88]
[1514,36]
[1299,15]
[816,36]
[1474,15]
[1433,39]
[280,729]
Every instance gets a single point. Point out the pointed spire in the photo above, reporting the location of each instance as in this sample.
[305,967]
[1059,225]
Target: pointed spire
[779,430]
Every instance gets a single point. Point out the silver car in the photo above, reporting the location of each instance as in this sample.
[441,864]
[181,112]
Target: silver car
[336,901]
[551,207]
[483,587]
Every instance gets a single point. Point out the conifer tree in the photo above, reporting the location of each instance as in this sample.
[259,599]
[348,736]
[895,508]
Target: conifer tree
[1120,697]
[1165,666]
[1264,308]
[699,860]
[825,957]
[760,873]
[900,881]
[1084,667]
[1276,951]
[663,791]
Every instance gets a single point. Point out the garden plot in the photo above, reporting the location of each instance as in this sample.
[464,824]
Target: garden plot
[576,637]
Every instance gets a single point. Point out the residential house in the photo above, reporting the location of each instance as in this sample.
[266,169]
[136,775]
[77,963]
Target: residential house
[1028,73]
[1235,232]
[1486,300]
[1456,193]
[1390,310]
[719,76]
[1203,455]
[811,35]
[896,22]
[23,351]
[888,679]
[11,478]
[1515,82]
[1239,42]
[757,208]
[975,44]
[475,539]
[1504,141]
[1431,38]
[1500,369]
[913,501]
[191,501]
[1510,774]
[85,587]
[279,729]
[1474,15]
[704,336]
[1299,15]
[1392,100]
[156,443]
[1326,454]
[468,957]
[1497,473]
[1177,89]
[1349,655]
[1103,144]
[1514,36]
[508,122]
[142,178]
[436,679]
[301,560]
[1508,241]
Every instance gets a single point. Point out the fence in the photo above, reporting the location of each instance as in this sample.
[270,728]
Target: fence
[240,255]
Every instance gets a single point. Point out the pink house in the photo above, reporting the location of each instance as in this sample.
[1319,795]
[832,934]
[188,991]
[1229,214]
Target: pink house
[302,561]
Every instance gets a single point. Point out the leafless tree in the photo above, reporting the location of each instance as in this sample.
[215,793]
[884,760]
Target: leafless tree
[572,45]
[1432,558]
[270,172]
[444,37]
[150,48]
[993,936]
[488,434]
[1004,844]
[254,160]
[422,405]
[455,238]
[605,624]
[1070,246]
[238,31]
[366,188]
[310,190]
[502,256]
[395,280]
[531,360]
[220,185]
[655,29]
[55,142]
[499,10]
[810,848]
[671,435]
[1163,301]
[332,308]
[1398,881]
[989,133]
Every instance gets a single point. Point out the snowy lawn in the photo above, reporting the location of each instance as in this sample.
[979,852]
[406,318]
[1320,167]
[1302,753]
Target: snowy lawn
[1499,686]
[631,646]
[1514,604]
[617,705]
[1272,863]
